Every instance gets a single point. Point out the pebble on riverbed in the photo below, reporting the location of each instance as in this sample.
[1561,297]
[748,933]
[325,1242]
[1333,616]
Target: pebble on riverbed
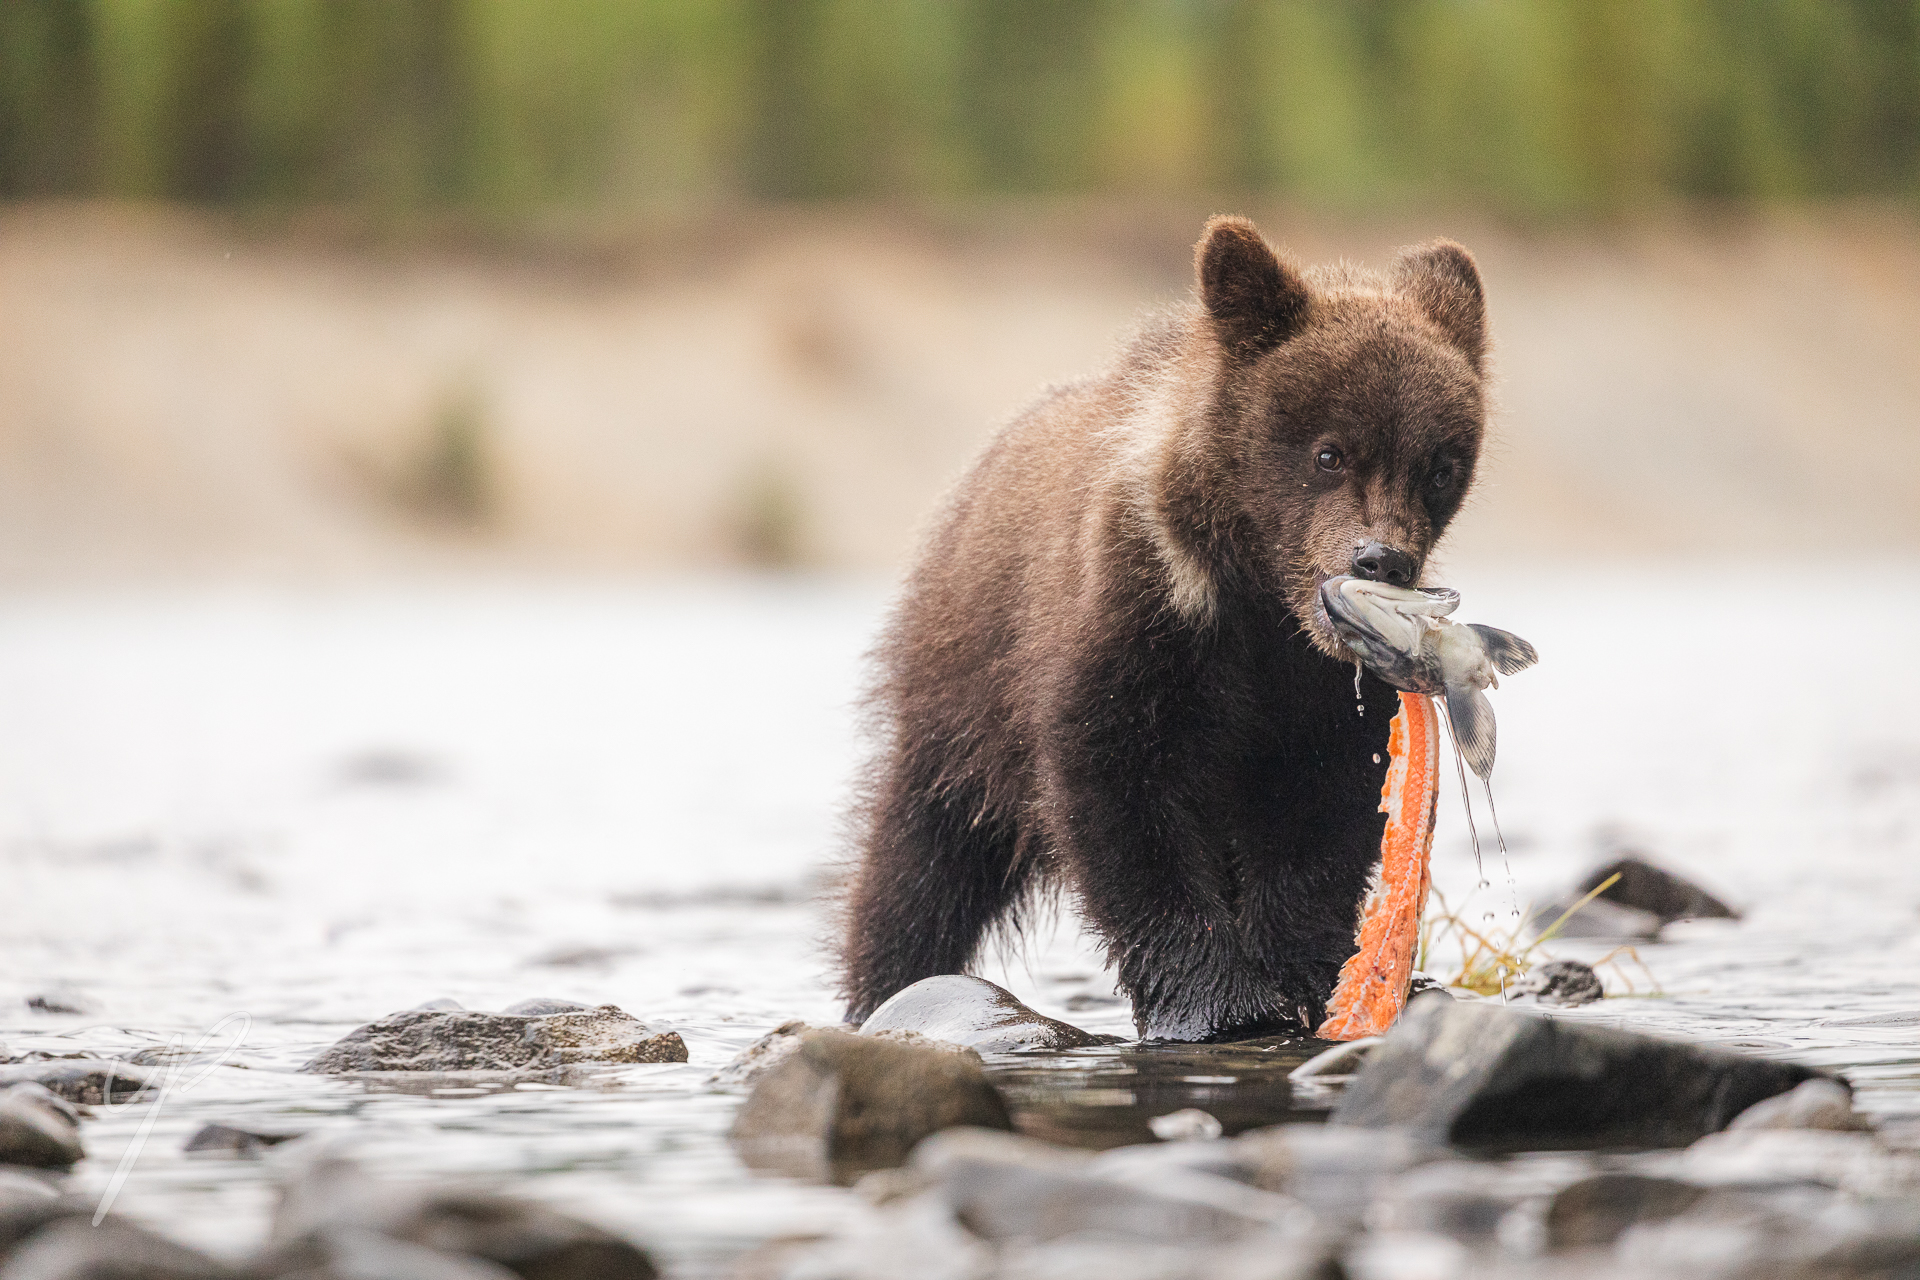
[842,1105]
[559,1034]
[335,1220]
[1561,982]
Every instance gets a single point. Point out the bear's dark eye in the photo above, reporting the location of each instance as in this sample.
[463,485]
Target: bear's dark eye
[1329,458]
[1442,477]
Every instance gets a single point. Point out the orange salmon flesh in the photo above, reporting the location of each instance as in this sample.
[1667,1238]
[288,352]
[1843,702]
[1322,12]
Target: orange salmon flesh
[1373,982]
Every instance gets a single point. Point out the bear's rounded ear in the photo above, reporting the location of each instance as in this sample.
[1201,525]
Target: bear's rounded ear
[1255,300]
[1442,281]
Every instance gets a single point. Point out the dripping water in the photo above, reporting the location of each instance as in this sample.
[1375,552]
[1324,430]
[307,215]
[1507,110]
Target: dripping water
[1473,833]
[1356,688]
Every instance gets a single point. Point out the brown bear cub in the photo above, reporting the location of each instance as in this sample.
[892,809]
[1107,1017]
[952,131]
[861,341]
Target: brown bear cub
[1109,672]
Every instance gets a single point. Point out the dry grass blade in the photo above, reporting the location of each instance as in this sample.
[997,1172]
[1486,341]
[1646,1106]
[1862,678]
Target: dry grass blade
[1491,960]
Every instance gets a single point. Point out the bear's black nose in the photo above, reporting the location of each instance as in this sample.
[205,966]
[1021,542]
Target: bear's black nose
[1377,562]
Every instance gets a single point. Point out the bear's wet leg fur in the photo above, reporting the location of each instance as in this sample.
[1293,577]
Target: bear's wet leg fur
[935,878]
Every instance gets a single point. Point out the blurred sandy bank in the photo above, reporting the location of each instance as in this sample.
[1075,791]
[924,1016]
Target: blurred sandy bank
[183,395]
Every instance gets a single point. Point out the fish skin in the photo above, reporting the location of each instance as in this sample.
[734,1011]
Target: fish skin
[1402,635]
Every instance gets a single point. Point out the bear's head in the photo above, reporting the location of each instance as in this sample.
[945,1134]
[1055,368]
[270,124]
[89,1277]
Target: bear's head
[1346,408]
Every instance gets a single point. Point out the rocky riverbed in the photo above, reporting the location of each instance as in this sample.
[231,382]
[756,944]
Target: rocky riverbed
[238,826]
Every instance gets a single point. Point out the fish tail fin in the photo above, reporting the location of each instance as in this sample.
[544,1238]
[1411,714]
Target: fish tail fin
[1473,731]
[1508,651]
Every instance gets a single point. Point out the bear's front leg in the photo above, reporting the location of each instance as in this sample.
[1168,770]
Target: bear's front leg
[1223,872]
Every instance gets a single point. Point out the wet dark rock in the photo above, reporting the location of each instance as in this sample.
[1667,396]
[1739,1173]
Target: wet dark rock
[1477,1075]
[466,1040]
[1645,887]
[49,1002]
[841,1105]
[1080,1001]
[91,1082]
[976,1013]
[335,1214]
[228,1140]
[1597,918]
[38,1129]
[1594,1212]
[581,957]
[72,1248]
[1006,1188]
[1812,1104]
[1561,982]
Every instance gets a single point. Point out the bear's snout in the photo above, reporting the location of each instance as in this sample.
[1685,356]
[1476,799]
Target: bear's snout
[1378,562]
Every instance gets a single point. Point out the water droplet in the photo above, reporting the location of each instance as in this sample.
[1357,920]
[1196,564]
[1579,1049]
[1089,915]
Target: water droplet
[1376,757]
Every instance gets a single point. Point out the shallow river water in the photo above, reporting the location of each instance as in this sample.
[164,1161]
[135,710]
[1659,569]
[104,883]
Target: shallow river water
[248,821]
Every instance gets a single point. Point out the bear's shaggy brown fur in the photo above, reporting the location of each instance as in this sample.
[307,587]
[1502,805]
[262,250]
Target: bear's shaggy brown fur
[1109,671]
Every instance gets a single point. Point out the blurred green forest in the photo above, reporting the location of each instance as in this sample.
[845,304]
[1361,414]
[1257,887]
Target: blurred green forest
[510,107]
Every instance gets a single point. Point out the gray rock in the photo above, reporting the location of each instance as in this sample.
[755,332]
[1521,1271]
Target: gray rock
[1855,1161]
[763,1055]
[1336,1172]
[976,1013]
[466,1040]
[91,1082]
[72,1248]
[335,1201]
[1006,1188]
[1797,1232]
[1468,1200]
[1478,1075]
[1561,982]
[227,1140]
[1270,1255]
[38,1129]
[842,1105]
[915,1239]
[349,1253]
[1596,918]
[30,1201]
[1812,1104]
[1594,1212]
[1645,887]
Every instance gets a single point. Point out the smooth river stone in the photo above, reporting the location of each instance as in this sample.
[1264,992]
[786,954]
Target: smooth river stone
[976,1013]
